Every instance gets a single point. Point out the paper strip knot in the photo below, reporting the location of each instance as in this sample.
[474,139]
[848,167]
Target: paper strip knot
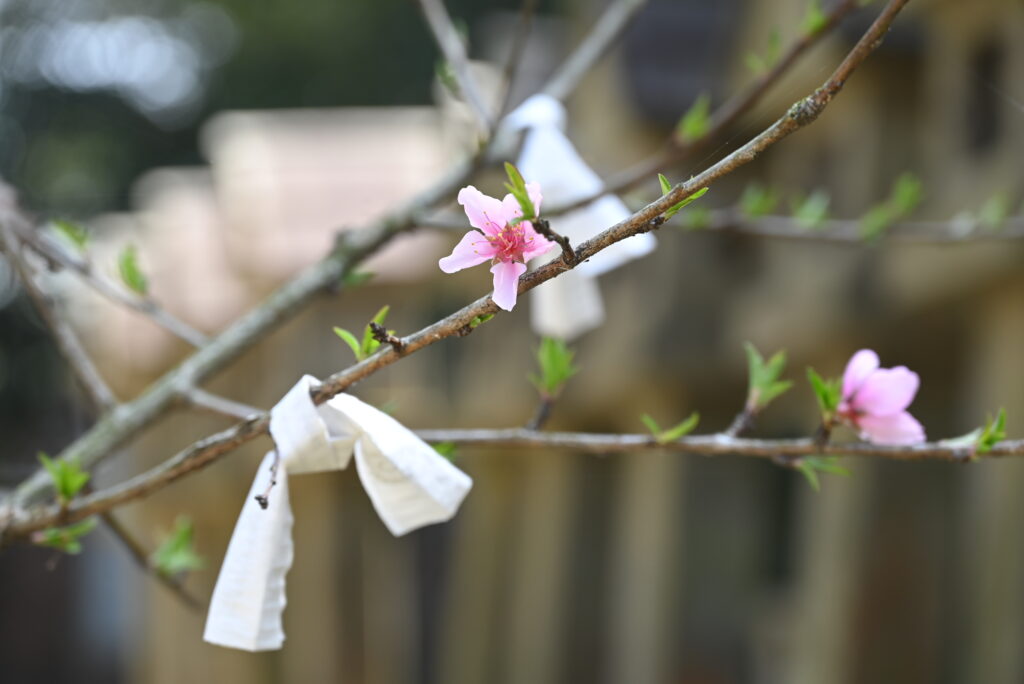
[570,304]
[409,483]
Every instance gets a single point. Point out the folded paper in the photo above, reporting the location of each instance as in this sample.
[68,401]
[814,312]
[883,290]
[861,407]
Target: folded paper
[408,482]
[570,304]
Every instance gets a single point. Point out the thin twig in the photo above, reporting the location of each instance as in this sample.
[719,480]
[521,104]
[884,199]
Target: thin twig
[676,150]
[543,227]
[15,520]
[454,50]
[280,306]
[203,453]
[264,499]
[214,403]
[381,334]
[542,414]
[141,558]
[602,36]
[65,337]
[719,444]
[733,220]
[515,56]
[53,251]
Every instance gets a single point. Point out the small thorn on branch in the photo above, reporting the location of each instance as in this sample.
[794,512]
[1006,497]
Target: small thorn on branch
[381,334]
[568,253]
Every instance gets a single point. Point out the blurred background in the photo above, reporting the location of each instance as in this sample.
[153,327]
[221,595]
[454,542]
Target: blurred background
[229,140]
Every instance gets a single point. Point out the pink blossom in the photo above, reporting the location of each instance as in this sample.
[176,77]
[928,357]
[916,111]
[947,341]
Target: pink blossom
[508,247]
[875,400]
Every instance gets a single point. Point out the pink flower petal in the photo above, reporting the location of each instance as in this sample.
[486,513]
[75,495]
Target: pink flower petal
[886,391]
[506,283]
[485,213]
[896,429]
[536,243]
[861,365]
[472,249]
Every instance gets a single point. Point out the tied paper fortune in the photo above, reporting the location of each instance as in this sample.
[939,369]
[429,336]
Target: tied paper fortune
[409,484]
[570,304]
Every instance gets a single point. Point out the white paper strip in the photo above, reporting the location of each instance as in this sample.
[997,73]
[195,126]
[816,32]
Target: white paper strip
[563,308]
[409,483]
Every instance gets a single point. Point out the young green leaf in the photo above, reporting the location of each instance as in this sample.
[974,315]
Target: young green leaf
[354,279]
[685,203]
[815,18]
[993,432]
[906,194]
[695,218]
[876,221]
[369,344]
[760,64]
[517,187]
[651,425]
[758,201]
[66,539]
[666,187]
[810,466]
[811,211]
[177,554]
[764,384]
[828,393]
[446,449]
[555,361]
[73,233]
[67,476]
[131,274]
[673,433]
[479,320]
[994,211]
[351,341]
[696,122]
[756,63]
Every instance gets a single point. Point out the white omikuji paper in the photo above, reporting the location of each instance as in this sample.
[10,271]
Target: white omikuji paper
[570,304]
[409,483]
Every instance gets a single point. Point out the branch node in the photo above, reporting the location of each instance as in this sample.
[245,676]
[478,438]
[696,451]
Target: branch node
[569,257]
[381,334]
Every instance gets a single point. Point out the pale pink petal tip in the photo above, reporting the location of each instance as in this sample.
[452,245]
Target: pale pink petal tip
[861,365]
[898,429]
[887,391]
[506,283]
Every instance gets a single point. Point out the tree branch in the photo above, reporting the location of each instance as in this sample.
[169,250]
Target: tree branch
[141,558]
[720,444]
[515,56]
[676,150]
[602,36]
[51,250]
[70,347]
[15,521]
[201,399]
[280,306]
[454,50]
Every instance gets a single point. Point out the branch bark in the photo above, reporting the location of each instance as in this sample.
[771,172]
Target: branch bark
[52,251]
[454,50]
[15,521]
[65,337]
[676,150]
